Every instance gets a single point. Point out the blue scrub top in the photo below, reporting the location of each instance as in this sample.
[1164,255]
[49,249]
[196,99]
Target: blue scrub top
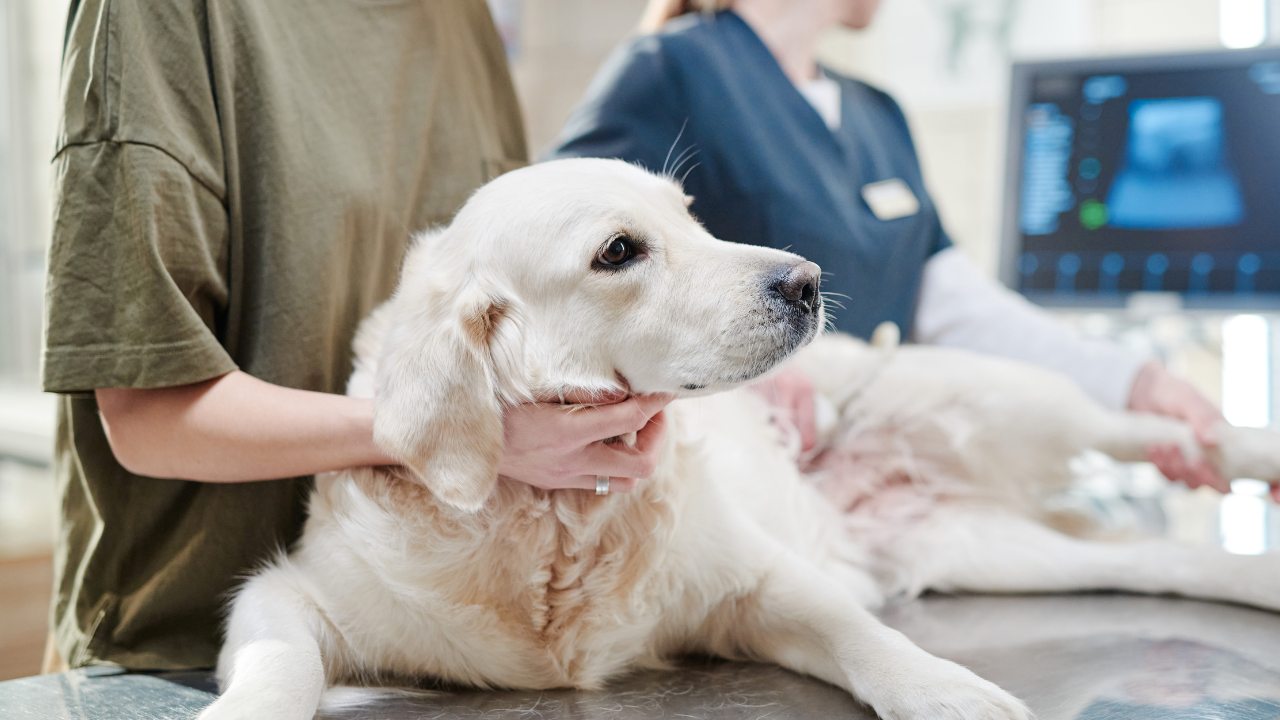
[768,169]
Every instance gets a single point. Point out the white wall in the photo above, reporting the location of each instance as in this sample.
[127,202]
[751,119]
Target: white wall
[562,43]
[30,49]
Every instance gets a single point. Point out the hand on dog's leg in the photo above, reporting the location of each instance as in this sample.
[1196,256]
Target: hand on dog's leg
[270,666]
[800,620]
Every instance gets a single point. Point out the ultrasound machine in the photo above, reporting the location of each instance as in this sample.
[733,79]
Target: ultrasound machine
[1146,175]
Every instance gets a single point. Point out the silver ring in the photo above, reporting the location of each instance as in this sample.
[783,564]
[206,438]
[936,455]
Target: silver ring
[602,485]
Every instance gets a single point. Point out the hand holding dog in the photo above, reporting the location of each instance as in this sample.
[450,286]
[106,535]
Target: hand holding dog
[790,393]
[1156,390]
[237,428]
[553,446]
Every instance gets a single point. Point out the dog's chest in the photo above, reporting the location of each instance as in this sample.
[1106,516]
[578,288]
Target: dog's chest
[539,590]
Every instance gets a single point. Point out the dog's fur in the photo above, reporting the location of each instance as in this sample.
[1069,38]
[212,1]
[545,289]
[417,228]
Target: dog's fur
[930,478]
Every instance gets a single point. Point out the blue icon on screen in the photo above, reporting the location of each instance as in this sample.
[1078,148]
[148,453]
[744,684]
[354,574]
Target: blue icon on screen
[1175,175]
[1267,75]
[1101,88]
[1201,266]
[1246,271]
[1153,278]
[1068,266]
[1109,280]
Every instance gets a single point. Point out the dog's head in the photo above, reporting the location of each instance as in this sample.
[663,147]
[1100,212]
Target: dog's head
[576,274]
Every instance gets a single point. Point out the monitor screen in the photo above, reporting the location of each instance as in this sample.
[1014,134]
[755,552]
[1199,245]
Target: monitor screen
[1158,174]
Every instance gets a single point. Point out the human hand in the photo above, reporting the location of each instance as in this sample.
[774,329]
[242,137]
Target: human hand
[1156,390]
[555,446]
[790,392]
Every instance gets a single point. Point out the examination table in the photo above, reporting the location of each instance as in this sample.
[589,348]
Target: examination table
[1091,657]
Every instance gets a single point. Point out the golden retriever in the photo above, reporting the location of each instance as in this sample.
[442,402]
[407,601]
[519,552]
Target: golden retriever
[591,274]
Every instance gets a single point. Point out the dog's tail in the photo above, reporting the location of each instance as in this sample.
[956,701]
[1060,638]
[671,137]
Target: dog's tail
[345,697]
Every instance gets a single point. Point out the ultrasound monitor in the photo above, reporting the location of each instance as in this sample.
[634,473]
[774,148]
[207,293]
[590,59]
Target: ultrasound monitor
[1145,174]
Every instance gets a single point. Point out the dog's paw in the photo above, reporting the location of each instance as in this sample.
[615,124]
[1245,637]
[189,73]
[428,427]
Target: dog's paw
[260,705]
[946,691]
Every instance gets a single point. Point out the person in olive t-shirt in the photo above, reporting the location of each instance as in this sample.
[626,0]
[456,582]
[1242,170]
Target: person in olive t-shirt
[236,184]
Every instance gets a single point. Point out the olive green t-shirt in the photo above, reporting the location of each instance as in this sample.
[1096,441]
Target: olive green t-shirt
[236,184]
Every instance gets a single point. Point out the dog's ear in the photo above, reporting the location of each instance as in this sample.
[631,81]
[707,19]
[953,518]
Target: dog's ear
[437,409]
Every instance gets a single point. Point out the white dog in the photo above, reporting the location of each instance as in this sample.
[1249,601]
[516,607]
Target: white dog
[592,274]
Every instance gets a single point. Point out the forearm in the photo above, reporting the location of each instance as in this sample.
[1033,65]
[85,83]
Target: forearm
[237,428]
[962,308]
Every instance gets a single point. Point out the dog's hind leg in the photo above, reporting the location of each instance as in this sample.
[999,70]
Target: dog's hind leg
[801,620]
[1241,453]
[975,549]
[1126,436]
[270,665]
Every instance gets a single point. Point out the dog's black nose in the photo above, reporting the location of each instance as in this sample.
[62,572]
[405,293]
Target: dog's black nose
[798,285]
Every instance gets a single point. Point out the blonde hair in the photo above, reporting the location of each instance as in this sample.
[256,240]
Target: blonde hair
[658,12]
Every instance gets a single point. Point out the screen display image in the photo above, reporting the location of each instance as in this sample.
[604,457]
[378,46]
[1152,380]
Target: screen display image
[1147,174]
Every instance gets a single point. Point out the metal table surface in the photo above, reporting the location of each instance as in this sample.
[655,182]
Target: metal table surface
[1087,657]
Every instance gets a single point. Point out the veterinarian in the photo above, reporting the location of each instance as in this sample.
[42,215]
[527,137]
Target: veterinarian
[236,185]
[779,151]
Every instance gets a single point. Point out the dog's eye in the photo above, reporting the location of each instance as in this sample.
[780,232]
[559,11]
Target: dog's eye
[618,252]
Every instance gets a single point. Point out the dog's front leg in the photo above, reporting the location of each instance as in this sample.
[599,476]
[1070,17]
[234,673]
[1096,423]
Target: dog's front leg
[270,665]
[800,620]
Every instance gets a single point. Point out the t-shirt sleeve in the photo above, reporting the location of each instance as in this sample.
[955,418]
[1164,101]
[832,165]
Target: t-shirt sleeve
[137,272]
[138,262]
[633,111]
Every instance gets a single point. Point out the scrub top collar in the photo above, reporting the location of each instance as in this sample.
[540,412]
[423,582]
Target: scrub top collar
[772,74]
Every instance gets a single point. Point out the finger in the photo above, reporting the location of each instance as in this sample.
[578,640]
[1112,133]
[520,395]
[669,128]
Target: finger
[1204,474]
[1275,492]
[649,438]
[615,461]
[606,421]
[622,485]
[654,403]
[588,482]
[648,446]
[583,396]
[1181,471]
[1168,460]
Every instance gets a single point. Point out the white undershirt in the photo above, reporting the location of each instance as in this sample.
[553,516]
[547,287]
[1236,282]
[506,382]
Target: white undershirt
[823,94]
[961,307]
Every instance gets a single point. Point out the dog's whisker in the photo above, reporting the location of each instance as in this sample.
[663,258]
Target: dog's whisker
[686,172]
[681,159]
[673,145]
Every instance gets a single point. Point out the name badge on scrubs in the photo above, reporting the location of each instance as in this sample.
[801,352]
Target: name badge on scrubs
[890,199]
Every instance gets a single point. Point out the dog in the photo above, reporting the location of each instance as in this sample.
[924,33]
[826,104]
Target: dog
[591,274]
